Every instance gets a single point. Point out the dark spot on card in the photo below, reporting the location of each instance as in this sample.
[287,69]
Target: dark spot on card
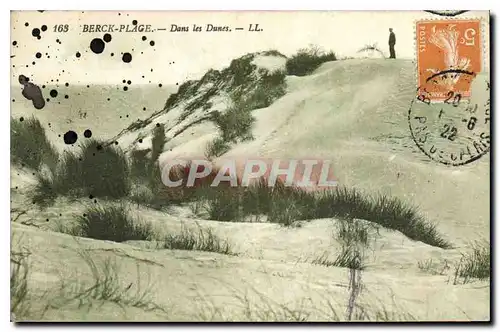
[21,119]
[53,93]
[14,43]
[66,96]
[35,32]
[140,140]
[134,22]
[26,24]
[129,82]
[107,37]
[38,55]
[127,57]
[144,38]
[44,27]
[152,43]
[78,54]
[87,133]
[70,137]
[32,92]
[97,45]
[125,88]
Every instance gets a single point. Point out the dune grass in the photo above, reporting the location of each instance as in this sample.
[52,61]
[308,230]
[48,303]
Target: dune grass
[285,205]
[20,305]
[105,286]
[475,264]
[199,240]
[308,60]
[29,144]
[97,170]
[112,222]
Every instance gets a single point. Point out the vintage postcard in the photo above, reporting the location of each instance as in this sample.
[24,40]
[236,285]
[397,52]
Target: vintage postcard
[250,166]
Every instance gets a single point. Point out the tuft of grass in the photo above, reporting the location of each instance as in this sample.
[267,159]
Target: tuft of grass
[106,286]
[351,231]
[140,165]
[474,264]
[112,223]
[98,170]
[371,48]
[30,145]
[235,123]
[284,211]
[308,60]
[348,257]
[389,212]
[200,240]
[20,306]
[44,193]
[216,148]
[158,142]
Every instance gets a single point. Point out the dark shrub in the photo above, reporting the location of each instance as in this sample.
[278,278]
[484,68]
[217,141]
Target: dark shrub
[30,145]
[112,223]
[307,60]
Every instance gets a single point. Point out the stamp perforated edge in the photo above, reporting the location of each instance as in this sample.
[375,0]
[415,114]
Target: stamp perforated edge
[484,39]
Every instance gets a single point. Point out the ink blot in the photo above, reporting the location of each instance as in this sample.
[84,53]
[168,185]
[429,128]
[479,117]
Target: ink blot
[152,43]
[78,54]
[14,43]
[97,45]
[134,22]
[144,38]
[70,137]
[32,92]
[38,55]
[127,57]
[35,32]
[125,88]
[87,133]
[107,38]
[44,27]
[53,93]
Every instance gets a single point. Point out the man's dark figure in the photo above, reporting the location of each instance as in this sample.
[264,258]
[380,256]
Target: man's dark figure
[392,42]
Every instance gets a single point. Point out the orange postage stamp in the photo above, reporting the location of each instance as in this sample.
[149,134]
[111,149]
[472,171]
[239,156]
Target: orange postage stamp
[449,55]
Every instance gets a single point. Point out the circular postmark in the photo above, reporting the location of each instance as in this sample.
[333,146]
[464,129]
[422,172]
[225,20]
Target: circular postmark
[456,130]
[448,13]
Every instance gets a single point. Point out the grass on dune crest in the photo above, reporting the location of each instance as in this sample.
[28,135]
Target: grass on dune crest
[307,60]
[286,205]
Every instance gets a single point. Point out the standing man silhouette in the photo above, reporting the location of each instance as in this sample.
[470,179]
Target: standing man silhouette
[392,42]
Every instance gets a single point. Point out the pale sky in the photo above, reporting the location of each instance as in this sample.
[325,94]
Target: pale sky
[178,56]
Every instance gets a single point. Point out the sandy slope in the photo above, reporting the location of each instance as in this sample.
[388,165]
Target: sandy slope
[353,112]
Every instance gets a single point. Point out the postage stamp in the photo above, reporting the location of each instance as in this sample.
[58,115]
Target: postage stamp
[449,51]
[450,117]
